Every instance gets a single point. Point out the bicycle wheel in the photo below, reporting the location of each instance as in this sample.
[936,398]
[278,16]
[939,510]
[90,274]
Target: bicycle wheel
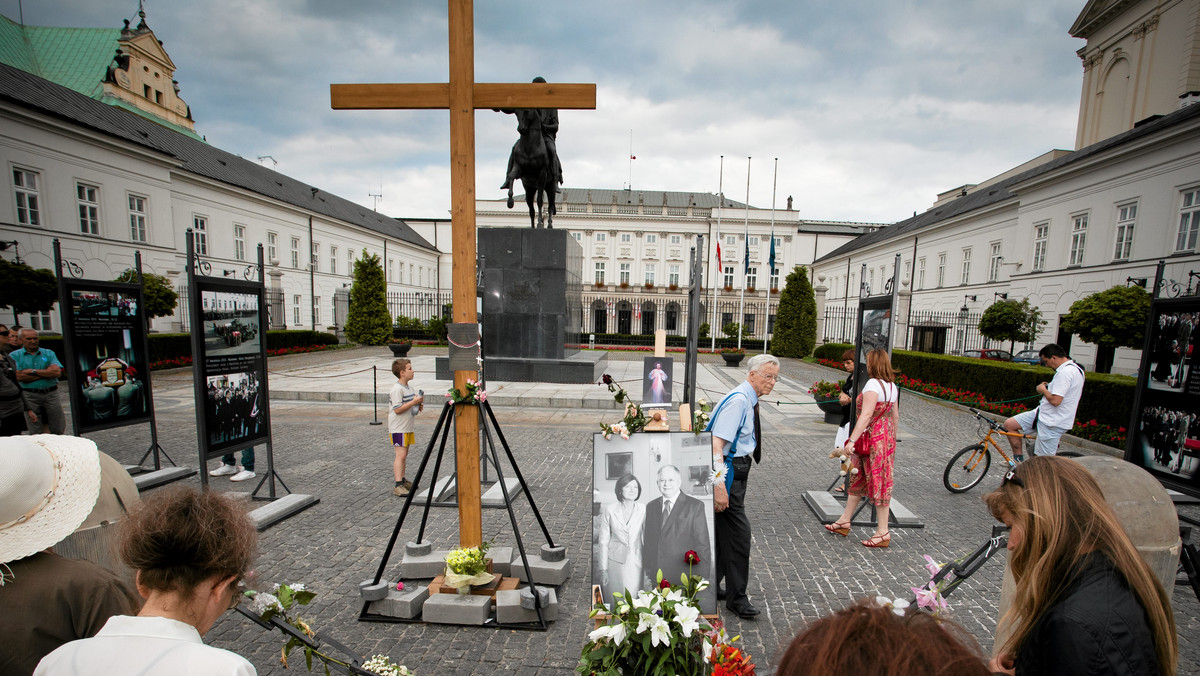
[967,468]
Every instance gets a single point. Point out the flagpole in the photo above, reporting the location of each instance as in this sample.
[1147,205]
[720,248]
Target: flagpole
[746,265]
[771,260]
[630,183]
[712,327]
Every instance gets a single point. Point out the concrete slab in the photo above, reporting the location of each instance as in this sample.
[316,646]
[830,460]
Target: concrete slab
[423,566]
[828,509]
[281,508]
[494,496]
[510,611]
[551,573]
[147,480]
[457,609]
[501,560]
[438,489]
[405,604]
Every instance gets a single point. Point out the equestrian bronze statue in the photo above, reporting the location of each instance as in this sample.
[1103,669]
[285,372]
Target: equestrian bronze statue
[534,160]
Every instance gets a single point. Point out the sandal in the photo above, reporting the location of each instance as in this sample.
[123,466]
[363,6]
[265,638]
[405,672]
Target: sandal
[839,528]
[878,541]
[839,489]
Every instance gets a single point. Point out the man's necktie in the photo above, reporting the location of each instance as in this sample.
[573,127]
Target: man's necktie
[757,436]
[666,510]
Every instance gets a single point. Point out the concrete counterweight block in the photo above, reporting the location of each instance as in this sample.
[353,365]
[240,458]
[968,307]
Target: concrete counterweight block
[422,561]
[511,609]
[457,609]
[553,553]
[552,573]
[374,592]
[501,556]
[403,604]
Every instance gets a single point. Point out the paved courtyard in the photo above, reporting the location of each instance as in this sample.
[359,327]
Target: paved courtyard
[324,445]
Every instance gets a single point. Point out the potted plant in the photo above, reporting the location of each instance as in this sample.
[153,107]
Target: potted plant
[733,355]
[826,395]
[750,289]
[673,287]
[467,567]
[399,346]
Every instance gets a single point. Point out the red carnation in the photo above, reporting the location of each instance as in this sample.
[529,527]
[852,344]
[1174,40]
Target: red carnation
[691,557]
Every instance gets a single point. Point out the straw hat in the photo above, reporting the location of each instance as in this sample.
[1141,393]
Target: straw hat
[48,487]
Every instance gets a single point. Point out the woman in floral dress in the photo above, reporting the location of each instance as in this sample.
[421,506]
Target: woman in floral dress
[877,422]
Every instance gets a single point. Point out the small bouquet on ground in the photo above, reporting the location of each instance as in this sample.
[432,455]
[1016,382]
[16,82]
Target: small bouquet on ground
[466,566]
[475,394]
[726,660]
[929,596]
[635,419]
[701,415]
[279,606]
[823,390]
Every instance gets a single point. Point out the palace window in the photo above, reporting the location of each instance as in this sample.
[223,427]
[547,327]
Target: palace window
[941,270]
[137,218]
[601,237]
[673,275]
[966,267]
[920,273]
[1079,225]
[296,309]
[28,206]
[626,238]
[1126,217]
[200,235]
[316,310]
[333,256]
[272,247]
[774,278]
[751,278]
[651,239]
[239,242]
[1189,221]
[676,239]
[88,200]
[625,273]
[1041,233]
[599,272]
[728,276]
[315,257]
[994,263]
[650,274]
[295,252]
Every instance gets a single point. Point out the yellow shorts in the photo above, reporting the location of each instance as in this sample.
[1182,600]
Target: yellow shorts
[404,438]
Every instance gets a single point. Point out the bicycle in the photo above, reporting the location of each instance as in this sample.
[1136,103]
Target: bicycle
[968,467]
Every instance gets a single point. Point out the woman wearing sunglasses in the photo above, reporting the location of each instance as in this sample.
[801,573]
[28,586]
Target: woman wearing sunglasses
[189,550]
[1085,602]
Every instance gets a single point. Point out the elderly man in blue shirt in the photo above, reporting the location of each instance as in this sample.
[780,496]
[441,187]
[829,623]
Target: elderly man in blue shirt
[736,438]
[38,371]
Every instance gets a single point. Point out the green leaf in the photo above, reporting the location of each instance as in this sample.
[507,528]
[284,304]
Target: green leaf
[303,597]
[308,657]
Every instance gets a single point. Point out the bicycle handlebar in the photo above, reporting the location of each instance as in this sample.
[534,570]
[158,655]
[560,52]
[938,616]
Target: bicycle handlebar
[992,423]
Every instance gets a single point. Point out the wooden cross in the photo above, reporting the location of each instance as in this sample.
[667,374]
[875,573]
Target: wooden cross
[462,96]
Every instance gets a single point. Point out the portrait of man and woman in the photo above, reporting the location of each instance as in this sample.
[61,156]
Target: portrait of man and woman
[651,509]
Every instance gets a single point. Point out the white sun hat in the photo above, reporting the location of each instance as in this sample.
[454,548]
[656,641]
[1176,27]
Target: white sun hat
[48,487]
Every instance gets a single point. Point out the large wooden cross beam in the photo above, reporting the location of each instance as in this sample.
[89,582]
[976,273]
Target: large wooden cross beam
[462,96]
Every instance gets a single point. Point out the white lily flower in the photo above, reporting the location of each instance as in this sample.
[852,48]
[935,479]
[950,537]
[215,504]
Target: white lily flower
[660,631]
[687,616]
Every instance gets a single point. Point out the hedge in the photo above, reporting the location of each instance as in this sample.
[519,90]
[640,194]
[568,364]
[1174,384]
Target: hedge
[175,345]
[1107,398]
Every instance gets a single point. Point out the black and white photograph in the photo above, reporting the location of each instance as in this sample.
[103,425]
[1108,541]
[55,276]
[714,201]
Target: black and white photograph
[233,409]
[1173,346]
[657,373]
[1170,440]
[646,519]
[230,323]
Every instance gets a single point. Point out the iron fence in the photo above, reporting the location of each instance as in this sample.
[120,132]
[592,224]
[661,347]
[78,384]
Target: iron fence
[422,305]
[928,330]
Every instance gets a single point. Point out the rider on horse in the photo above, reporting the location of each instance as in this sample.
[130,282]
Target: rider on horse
[549,120]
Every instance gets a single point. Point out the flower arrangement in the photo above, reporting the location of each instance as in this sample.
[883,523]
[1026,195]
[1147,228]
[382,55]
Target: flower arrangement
[823,390]
[635,419]
[732,350]
[661,633]
[701,415]
[466,566]
[475,394]
[929,596]
[279,606]
[399,341]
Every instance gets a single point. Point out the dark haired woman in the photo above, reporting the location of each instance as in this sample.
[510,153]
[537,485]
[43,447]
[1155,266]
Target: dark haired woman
[1085,602]
[867,638]
[621,529]
[189,550]
[877,422]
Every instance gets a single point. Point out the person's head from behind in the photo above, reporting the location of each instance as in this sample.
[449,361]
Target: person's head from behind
[189,549]
[870,639]
[1056,514]
[879,365]
[628,488]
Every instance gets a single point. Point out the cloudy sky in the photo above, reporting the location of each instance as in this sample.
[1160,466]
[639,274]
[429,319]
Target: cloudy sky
[871,106]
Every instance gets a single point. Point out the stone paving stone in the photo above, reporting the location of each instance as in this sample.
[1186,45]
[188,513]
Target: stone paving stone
[798,571]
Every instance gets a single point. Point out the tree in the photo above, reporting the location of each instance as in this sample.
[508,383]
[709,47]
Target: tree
[368,321]
[1012,320]
[732,328]
[26,289]
[796,319]
[158,298]
[1111,319]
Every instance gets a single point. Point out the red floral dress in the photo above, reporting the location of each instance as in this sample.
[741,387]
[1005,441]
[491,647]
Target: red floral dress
[874,478]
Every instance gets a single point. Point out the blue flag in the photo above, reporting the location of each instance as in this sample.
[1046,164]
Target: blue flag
[771,260]
[747,255]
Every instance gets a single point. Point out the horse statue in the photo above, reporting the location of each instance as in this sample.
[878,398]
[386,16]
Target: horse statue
[534,160]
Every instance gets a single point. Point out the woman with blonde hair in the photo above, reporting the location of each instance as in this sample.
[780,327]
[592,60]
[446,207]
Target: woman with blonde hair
[1085,601]
[878,419]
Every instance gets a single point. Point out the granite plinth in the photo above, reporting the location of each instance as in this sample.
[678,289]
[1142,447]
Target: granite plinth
[582,367]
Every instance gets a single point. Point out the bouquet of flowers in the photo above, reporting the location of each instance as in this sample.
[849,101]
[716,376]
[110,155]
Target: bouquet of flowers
[929,596]
[823,390]
[701,415]
[279,606]
[635,419]
[466,566]
[475,394]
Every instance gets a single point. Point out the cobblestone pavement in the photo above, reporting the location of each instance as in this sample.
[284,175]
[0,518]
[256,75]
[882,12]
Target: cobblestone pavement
[799,572]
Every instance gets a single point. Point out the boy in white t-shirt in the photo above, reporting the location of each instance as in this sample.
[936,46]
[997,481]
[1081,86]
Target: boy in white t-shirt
[403,407]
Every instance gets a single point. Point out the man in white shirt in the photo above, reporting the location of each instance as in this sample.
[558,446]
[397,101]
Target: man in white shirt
[1055,415]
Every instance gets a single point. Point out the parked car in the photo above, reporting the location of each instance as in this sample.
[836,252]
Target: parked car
[994,355]
[1027,357]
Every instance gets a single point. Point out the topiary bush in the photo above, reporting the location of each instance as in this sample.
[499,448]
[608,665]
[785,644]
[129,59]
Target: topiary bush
[796,319]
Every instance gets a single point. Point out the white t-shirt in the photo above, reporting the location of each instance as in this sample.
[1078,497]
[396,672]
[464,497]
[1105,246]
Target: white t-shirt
[406,421]
[1068,384]
[147,646]
[885,391]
